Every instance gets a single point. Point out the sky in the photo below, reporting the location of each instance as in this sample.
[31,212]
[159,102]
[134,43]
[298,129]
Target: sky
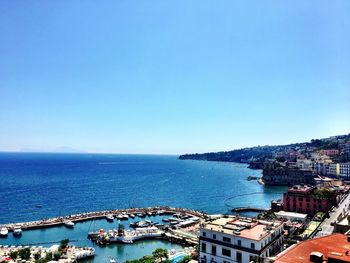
[172,76]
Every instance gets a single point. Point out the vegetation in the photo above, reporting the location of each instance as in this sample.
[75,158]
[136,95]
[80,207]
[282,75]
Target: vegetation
[24,253]
[13,255]
[160,254]
[63,244]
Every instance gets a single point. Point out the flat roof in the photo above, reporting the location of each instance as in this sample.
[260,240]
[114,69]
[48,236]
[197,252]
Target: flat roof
[291,214]
[243,227]
[334,246]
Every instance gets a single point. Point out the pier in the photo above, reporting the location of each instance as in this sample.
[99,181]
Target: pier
[59,221]
[249,209]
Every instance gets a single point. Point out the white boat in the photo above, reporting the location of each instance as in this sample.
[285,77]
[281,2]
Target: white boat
[127,241]
[68,223]
[109,218]
[3,232]
[120,217]
[112,260]
[17,231]
[132,215]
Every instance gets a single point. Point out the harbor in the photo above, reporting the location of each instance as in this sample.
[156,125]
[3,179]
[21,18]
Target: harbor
[145,228]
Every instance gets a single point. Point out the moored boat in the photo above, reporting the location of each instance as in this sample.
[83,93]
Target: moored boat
[132,215]
[109,218]
[4,232]
[68,223]
[17,231]
[112,260]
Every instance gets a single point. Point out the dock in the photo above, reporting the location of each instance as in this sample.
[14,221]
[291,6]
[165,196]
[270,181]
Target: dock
[249,209]
[59,221]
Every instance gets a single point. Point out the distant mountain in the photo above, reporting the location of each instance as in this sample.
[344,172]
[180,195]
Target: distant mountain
[255,156]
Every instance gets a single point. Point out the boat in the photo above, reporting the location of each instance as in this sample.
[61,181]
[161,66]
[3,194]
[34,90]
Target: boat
[141,215]
[112,260]
[38,206]
[132,216]
[127,241]
[4,232]
[109,218]
[148,221]
[149,213]
[120,217]
[17,231]
[165,219]
[125,216]
[133,224]
[68,223]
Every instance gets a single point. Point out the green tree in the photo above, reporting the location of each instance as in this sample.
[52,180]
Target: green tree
[14,255]
[160,254]
[64,243]
[57,255]
[24,253]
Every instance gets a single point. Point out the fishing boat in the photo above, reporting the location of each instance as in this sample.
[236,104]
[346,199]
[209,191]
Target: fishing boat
[3,232]
[68,223]
[17,231]
[109,218]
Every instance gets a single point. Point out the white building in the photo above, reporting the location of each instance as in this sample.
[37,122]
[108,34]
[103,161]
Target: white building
[234,239]
[344,171]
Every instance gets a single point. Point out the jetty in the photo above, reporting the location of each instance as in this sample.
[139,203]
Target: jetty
[118,213]
[249,209]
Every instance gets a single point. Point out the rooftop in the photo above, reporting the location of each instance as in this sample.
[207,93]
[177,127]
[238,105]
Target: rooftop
[243,227]
[334,247]
[300,189]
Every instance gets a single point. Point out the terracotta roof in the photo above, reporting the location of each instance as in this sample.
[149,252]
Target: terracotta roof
[334,246]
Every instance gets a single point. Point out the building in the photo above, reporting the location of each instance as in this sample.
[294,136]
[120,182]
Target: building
[333,248]
[274,174]
[235,239]
[291,216]
[344,170]
[329,152]
[308,199]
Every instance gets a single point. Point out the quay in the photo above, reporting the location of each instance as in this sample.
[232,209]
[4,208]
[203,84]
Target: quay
[249,209]
[58,221]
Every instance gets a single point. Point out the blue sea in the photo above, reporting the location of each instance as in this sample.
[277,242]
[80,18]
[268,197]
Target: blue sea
[66,184]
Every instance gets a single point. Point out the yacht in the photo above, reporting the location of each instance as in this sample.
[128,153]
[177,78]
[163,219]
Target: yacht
[17,231]
[3,232]
[109,218]
[68,223]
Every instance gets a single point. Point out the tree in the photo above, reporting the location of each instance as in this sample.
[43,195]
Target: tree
[121,229]
[160,254]
[57,255]
[24,253]
[14,255]
[63,244]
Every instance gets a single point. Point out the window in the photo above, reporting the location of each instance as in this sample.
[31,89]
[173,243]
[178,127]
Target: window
[204,234]
[226,239]
[239,257]
[213,250]
[226,252]
[252,245]
[214,236]
[204,247]
[239,242]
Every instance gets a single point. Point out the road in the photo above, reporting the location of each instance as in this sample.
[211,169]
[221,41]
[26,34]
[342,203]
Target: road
[326,227]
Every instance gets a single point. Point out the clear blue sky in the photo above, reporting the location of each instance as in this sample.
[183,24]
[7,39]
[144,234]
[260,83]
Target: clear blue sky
[172,76]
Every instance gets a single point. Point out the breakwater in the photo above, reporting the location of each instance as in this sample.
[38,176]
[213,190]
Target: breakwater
[58,221]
